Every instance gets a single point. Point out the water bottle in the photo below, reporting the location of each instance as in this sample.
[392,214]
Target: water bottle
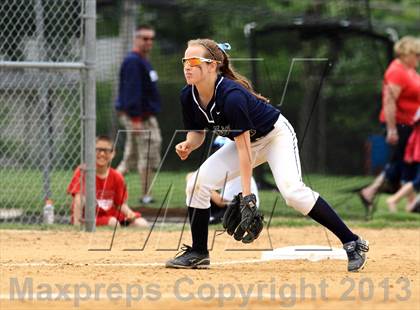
[48,212]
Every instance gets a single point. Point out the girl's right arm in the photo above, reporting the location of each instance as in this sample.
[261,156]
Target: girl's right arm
[193,141]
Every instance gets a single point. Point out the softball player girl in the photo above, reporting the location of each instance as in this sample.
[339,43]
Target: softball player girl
[218,98]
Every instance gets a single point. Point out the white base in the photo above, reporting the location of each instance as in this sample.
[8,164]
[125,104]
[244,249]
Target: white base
[312,253]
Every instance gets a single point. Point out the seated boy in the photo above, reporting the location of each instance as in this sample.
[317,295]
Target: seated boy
[111,192]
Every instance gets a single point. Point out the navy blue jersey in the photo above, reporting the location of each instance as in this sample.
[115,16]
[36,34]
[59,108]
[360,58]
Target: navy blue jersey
[138,93]
[232,111]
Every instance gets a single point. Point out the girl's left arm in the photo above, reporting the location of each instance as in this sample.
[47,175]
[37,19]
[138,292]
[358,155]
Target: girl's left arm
[243,145]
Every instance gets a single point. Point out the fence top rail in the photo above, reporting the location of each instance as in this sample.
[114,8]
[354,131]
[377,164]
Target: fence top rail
[43,65]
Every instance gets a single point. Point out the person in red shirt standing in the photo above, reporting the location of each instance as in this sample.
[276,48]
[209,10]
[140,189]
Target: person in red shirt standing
[400,101]
[111,191]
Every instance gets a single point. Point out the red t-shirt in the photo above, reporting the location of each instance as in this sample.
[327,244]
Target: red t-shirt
[412,150]
[111,193]
[409,98]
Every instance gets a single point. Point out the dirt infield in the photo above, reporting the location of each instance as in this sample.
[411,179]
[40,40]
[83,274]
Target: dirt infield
[56,269]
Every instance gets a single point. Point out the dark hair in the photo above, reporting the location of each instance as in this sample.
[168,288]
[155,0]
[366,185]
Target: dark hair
[105,138]
[144,26]
[225,68]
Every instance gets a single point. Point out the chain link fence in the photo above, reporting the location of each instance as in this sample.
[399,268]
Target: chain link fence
[41,95]
[43,85]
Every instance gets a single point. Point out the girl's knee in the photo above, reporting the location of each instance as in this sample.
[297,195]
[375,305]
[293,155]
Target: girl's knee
[300,198]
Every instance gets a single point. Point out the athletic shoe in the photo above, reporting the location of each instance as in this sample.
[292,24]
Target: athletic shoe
[189,259]
[356,254]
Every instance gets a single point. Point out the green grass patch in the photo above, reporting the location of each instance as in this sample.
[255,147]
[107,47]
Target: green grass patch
[23,189]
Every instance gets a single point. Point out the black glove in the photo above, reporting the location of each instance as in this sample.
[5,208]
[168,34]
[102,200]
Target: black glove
[232,216]
[252,221]
[242,217]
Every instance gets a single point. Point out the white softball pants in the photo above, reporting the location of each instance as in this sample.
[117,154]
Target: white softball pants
[279,148]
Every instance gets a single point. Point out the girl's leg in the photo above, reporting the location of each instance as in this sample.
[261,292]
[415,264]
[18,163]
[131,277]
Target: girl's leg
[199,222]
[405,190]
[413,207]
[219,168]
[411,197]
[369,192]
[212,175]
[283,158]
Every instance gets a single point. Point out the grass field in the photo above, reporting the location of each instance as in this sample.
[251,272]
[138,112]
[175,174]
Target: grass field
[22,189]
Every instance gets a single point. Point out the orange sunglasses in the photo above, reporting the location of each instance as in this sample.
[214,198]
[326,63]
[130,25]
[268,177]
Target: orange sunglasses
[196,61]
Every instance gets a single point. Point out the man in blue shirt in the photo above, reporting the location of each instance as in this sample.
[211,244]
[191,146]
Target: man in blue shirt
[137,104]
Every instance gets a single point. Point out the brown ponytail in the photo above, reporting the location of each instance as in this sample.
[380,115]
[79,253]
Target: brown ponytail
[225,68]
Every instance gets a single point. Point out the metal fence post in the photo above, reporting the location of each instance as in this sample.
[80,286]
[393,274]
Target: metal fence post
[43,99]
[90,116]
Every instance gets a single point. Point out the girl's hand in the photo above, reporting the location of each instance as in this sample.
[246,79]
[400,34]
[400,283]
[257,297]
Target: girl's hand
[131,216]
[183,150]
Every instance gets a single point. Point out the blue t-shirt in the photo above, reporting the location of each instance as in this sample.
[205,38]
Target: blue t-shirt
[232,111]
[138,93]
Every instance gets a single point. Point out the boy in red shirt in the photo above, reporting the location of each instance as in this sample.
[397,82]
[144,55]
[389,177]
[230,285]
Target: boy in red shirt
[111,192]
